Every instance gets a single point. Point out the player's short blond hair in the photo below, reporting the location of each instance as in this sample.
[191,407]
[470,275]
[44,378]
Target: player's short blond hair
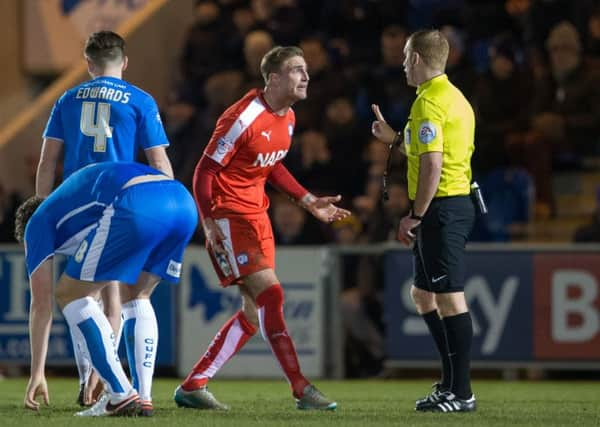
[432,46]
[274,59]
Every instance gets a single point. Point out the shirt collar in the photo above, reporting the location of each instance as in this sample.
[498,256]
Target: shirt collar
[431,82]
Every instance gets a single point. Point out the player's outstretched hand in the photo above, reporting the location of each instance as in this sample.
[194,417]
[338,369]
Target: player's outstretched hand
[323,208]
[380,129]
[37,386]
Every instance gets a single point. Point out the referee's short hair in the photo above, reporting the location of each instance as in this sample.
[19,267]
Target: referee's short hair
[432,46]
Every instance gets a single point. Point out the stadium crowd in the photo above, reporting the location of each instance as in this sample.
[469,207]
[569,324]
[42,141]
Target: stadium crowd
[529,68]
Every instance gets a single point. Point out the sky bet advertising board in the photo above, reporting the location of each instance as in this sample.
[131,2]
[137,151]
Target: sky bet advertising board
[525,306]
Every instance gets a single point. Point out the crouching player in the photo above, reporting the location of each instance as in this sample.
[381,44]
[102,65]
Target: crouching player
[117,221]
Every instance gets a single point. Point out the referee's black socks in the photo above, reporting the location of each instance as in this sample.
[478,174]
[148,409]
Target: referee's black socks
[459,331]
[436,328]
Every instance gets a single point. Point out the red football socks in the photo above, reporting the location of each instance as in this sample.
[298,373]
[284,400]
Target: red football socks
[274,330]
[229,340]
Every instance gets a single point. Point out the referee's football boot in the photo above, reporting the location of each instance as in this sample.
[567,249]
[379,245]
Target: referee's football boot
[314,399]
[449,402]
[200,398]
[431,399]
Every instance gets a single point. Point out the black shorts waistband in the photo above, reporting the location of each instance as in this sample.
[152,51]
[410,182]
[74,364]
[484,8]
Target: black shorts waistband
[443,198]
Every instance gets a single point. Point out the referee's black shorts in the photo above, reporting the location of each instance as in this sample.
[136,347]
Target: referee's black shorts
[439,252]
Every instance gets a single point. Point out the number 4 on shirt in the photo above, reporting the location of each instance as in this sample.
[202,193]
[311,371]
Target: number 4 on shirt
[95,117]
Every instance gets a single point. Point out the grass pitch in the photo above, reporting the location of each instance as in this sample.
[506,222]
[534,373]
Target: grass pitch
[361,403]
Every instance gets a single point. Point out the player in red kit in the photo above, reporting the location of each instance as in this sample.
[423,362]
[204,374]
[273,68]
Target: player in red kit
[249,142]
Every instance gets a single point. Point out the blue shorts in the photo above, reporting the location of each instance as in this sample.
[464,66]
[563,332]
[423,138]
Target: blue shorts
[146,228]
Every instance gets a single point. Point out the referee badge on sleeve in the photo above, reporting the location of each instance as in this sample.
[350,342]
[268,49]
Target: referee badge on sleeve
[427,132]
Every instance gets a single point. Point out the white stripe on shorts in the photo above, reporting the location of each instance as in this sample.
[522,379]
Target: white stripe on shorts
[92,258]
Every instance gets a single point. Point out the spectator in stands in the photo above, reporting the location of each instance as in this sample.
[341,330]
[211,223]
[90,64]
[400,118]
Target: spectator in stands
[567,101]
[243,21]
[220,90]
[590,233]
[347,231]
[283,19]
[256,44]
[291,225]
[360,304]
[459,70]
[354,24]
[243,18]
[542,16]
[502,104]
[385,84]
[376,152]
[311,161]
[566,115]
[383,223]
[347,140]
[365,205]
[203,51]
[593,36]
[326,83]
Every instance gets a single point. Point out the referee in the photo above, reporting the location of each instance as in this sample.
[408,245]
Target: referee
[438,142]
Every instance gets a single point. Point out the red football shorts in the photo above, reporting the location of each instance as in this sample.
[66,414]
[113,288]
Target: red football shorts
[249,244]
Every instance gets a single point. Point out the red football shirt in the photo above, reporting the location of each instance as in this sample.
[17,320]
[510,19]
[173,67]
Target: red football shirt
[249,139]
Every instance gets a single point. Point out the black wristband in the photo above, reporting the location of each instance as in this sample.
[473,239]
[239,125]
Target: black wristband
[415,216]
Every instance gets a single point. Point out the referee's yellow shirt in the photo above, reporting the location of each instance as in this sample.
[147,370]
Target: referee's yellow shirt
[441,119]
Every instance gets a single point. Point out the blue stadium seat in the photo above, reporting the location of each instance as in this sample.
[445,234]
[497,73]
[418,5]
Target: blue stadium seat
[509,193]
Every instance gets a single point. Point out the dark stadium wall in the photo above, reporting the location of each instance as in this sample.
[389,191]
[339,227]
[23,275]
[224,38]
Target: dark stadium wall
[14,89]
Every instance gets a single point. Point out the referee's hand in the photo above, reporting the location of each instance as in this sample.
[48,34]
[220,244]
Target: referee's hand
[406,230]
[380,129]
